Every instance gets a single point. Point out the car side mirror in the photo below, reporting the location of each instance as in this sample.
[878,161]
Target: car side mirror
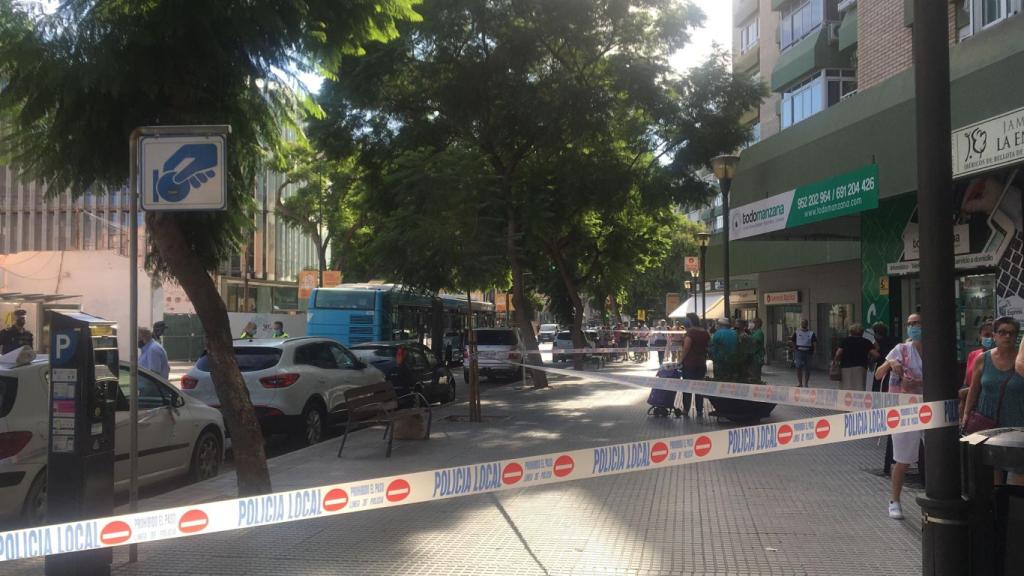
[177,401]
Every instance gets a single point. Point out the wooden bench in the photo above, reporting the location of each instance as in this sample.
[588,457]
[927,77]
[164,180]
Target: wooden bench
[378,404]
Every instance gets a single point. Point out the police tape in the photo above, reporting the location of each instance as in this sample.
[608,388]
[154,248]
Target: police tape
[826,398]
[517,353]
[471,479]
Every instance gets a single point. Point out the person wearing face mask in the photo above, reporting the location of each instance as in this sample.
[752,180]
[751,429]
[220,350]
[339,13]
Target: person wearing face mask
[987,338]
[16,336]
[152,355]
[906,365]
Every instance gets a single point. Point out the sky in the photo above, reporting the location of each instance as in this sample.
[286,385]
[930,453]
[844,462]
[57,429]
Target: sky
[717,29]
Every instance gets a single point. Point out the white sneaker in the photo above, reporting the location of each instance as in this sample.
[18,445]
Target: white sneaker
[895,511]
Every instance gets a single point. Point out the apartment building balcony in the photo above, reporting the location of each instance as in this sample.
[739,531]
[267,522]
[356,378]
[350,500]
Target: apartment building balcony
[815,51]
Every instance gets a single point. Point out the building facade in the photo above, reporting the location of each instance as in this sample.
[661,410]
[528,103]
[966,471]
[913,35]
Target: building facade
[56,245]
[823,207]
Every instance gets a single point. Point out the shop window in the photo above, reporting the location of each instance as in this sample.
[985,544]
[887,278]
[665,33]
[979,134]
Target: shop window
[834,322]
[285,299]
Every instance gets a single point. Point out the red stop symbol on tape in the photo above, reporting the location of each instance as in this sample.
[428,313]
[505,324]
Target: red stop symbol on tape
[193,521]
[702,446]
[892,418]
[564,465]
[822,429]
[335,500]
[848,399]
[785,434]
[397,490]
[925,414]
[512,473]
[116,532]
[659,452]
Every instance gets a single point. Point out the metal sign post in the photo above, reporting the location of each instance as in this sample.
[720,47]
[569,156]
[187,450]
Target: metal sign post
[183,168]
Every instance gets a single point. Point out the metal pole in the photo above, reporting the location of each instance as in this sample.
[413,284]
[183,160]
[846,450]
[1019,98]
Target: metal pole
[726,185]
[944,523]
[133,333]
[703,287]
[320,221]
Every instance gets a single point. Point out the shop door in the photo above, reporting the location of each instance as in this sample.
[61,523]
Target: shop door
[976,304]
[783,321]
[834,322]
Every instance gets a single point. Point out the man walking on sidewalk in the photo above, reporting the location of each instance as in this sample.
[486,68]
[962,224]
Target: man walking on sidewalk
[804,340]
[152,355]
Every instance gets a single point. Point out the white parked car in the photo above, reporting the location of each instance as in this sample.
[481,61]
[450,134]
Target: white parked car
[563,341]
[498,353]
[178,436]
[547,332]
[296,385]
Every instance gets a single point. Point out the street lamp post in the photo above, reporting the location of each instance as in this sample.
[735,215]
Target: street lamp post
[725,170]
[944,528]
[703,238]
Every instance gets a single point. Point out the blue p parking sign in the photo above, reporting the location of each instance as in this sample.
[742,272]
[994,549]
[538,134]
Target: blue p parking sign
[183,172]
[65,343]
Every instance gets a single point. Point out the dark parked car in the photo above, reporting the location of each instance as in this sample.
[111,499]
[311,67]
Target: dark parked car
[409,367]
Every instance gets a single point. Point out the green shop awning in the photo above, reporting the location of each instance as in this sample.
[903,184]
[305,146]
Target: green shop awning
[848,30]
[813,52]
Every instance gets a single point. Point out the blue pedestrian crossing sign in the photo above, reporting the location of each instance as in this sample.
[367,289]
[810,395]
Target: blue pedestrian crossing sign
[183,172]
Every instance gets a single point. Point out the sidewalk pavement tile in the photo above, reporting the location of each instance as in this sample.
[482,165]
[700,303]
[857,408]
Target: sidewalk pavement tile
[812,511]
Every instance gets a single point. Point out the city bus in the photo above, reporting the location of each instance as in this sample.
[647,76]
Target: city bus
[358,313]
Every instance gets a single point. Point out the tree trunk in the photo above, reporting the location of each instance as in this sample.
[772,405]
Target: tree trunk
[524,309]
[615,309]
[572,289]
[239,416]
[321,253]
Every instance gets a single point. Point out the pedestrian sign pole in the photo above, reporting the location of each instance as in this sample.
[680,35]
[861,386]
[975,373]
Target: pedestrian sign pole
[181,168]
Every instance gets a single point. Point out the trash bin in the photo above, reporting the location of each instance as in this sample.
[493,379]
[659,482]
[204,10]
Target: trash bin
[995,512]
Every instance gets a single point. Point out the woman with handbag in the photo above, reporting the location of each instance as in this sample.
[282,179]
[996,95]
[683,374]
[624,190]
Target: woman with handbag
[996,396]
[905,363]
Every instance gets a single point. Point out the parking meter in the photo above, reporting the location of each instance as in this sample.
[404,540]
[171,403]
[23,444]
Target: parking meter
[83,399]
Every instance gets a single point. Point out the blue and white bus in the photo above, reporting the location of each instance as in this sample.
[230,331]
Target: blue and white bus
[357,313]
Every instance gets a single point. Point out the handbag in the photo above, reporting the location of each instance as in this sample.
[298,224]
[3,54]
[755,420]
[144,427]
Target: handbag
[835,373]
[976,421]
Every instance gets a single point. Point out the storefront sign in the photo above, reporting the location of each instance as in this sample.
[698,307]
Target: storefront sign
[989,221]
[912,240]
[775,298]
[989,144]
[309,279]
[841,195]
[744,297]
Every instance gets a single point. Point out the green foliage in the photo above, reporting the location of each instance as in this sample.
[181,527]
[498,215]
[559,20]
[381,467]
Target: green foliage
[646,290]
[434,231]
[79,80]
[328,202]
[585,134]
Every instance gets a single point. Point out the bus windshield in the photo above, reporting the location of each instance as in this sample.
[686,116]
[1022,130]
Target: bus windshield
[344,300]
